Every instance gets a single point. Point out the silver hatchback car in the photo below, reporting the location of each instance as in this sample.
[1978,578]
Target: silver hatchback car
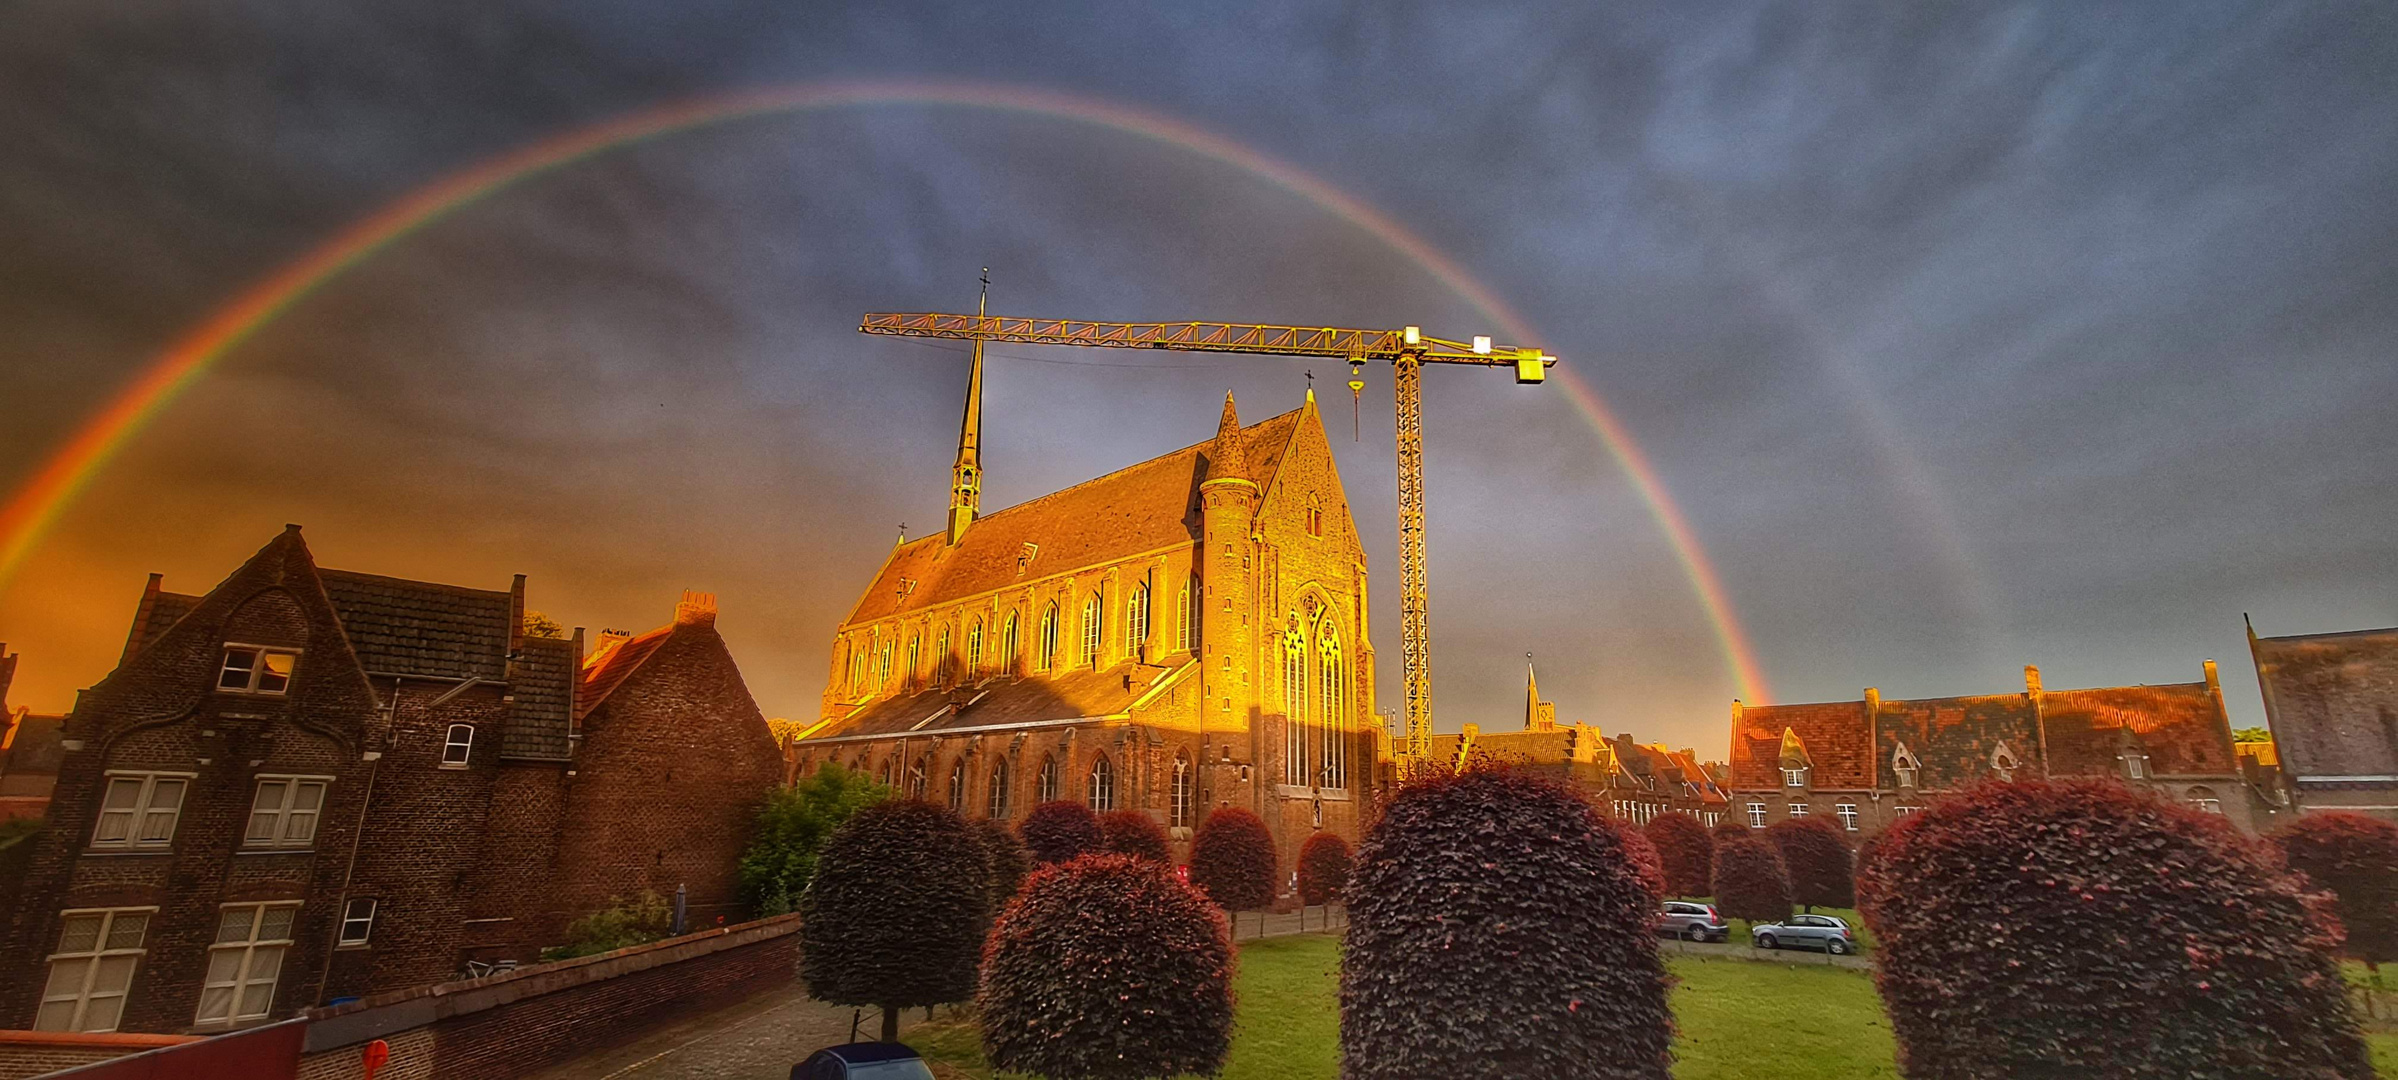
[1692,922]
[1827,932]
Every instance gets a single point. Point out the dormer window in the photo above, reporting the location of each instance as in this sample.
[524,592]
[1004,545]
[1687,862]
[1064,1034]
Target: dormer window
[2135,764]
[1904,765]
[250,669]
[1796,778]
[2002,762]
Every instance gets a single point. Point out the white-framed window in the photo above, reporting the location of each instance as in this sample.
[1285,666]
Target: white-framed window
[1332,692]
[2135,764]
[1714,817]
[882,675]
[974,650]
[98,950]
[997,804]
[1798,809]
[284,811]
[2203,800]
[915,657]
[138,811]
[245,961]
[1794,778]
[941,661]
[1102,786]
[357,920]
[1178,800]
[957,786]
[1186,616]
[1045,650]
[1294,707]
[1136,619]
[1903,811]
[457,745]
[1756,815]
[1094,618]
[1848,815]
[1048,779]
[253,669]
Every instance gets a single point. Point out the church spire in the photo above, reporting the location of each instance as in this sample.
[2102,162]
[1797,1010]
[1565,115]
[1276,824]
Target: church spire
[966,477]
[1226,460]
[1538,715]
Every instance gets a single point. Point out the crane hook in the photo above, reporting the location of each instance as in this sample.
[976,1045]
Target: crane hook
[1357,389]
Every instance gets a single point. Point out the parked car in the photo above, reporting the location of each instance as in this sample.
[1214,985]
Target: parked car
[1692,922]
[863,1061]
[1826,932]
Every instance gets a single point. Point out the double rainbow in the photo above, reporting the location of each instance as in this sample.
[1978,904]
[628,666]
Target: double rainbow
[36,506]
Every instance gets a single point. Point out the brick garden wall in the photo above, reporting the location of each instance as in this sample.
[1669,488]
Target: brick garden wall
[33,1053]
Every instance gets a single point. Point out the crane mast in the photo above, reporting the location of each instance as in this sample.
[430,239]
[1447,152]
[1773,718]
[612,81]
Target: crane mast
[1406,350]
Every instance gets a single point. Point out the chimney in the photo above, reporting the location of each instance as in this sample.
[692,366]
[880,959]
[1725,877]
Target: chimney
[1873,699]
[695,609]
[2031,679]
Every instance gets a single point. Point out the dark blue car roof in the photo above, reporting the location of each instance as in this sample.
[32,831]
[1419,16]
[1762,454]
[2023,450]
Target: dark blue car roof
[863,1053]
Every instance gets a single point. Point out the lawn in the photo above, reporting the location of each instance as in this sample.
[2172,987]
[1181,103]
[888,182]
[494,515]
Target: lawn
[1825,1023]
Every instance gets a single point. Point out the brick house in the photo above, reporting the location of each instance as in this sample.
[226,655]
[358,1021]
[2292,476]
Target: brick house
[1182,634]
[1867,763]
[311,784]
[2332,702]
[1623,777]
[28,752]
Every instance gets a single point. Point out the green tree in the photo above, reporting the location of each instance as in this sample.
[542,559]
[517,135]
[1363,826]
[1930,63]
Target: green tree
[2251,734]
[792,829]
[542,626]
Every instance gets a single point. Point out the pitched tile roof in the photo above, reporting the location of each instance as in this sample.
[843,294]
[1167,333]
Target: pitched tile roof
[1139,508]
[604,671]
[166,609]
[33,745]
[1069,695]
[2181,727]
[542,717]
[1834,734]
[2332,700]
[402,627]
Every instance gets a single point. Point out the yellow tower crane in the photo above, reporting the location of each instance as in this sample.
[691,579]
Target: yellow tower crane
[1406,350]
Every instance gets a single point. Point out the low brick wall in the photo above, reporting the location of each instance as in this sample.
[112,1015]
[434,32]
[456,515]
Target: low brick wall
[32,1053]
[524,1021]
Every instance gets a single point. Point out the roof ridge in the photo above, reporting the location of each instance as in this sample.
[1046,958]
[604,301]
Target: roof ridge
[1200,445]
[358,575]
[2329,634]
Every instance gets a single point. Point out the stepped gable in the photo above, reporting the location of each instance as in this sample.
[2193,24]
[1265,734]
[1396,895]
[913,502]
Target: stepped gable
[1138,508]
[542,717]
[2180,726]
[402,627]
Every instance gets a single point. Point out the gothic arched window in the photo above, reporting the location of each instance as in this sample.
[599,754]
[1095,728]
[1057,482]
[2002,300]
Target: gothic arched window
[1329,702]
[1102,786]
[883,677]
[997,806]
[1186,616]
[1007,646]
[916,778]
[957,786]
[915,657]
[1045,651]
[1093,615]
[1178,802]
[1136,620]
[941,664]
[1048,779]
[974,650]
[1294,707]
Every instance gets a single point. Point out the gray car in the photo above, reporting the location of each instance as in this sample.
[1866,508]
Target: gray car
[1692,922]
[1825,932]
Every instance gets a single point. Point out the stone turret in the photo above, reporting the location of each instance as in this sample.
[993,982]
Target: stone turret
[1228,501]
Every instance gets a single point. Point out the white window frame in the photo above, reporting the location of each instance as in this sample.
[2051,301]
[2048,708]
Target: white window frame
[465,750]
[140,817]
[1136,619]
[244,976]
[2136,765]
[1756,815]
[1178,797]
[996,805]
[1794,778]
[1046,781]
[1903,811]
[957,786]
[287,818]
[1094,629]
[350,917]
[1848,815]
[1799,809]
[92,960]
[259,670]
[1332,695]
[1100,786]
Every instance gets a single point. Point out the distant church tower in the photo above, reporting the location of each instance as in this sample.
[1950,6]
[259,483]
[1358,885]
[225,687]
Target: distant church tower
[1227,510]
[966,477]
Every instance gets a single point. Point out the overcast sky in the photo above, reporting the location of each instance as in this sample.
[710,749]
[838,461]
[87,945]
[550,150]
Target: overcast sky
[1967,336]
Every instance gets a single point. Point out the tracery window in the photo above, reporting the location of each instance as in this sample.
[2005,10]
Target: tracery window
[957,786]
[974,650]
[915,657]
[1045,651]
[1094,614]
[1136,620]
[998,806]
[1102,793]
[1007,646]
[1329,700]
[1186,616]
[1048,785]
[883,678]
[941,664]
[1294,707]
[916,771]
[1178,803]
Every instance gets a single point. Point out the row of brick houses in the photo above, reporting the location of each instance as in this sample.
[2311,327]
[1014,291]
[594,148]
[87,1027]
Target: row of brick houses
[310,784]
[1622,776]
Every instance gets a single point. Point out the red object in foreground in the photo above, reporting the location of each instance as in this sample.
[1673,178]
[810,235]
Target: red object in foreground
[373,1057]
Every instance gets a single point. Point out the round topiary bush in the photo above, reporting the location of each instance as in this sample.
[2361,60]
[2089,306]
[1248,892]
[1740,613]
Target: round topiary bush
[1498,927]
[1057,831]
[2087,929]
[1232,860]
[1323,868]
[1009,861]
[1106,968]
[1685,851]
[1750,882]
[896,914]
[1822,871]
[1643,857]
[2356,857]
[1131,832]
[1728,829]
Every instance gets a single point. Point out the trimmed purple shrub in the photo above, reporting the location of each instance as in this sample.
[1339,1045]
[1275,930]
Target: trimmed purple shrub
[1323,868]
[896,913]
[1232,859]
[1685,851]
[1822,871]
[2086,929]
[1643,856]
[1750,882]
[1499,927]
[1131,832]
[1057,831]
[1009,861]
[2356,857]
[1106,968]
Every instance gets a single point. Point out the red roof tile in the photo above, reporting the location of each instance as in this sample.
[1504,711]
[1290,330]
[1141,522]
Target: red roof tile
[604,672]
[2181,726]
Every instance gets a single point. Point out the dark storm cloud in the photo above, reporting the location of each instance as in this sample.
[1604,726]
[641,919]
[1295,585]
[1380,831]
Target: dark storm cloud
[1966,337]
